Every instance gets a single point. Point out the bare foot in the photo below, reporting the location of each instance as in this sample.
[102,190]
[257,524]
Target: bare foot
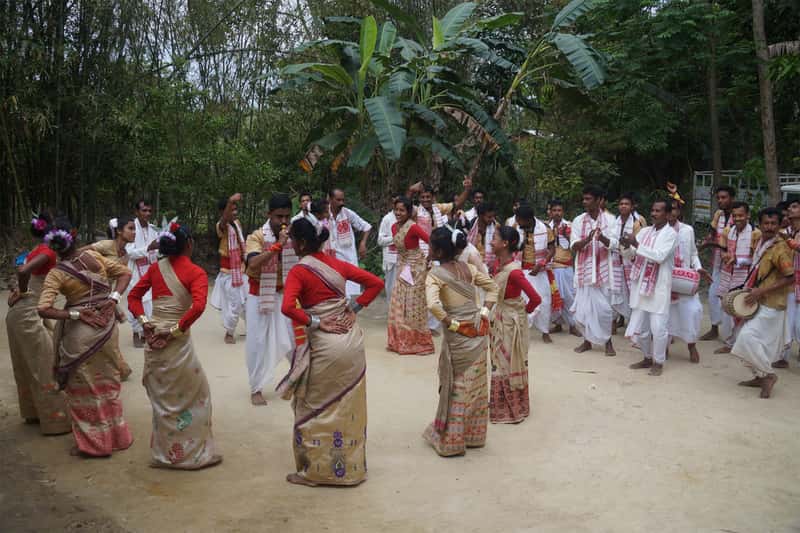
[230,339]
[546,338]
[557,329]
[585,346]
[613,328]
[766,385]
[781,363]
[694,355]
[574,331]
[656,369]
[297,479]
[755,383]
[644,363]
[610,351]
[257,399]
[138,341]
[711,334]
[723,349]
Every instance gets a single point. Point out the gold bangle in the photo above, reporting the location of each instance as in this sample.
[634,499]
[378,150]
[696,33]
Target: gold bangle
[454,325]
[175,331]
[143,319]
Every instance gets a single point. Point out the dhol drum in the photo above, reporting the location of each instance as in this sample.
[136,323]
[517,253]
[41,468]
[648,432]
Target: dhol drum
[735,305]
[685,281]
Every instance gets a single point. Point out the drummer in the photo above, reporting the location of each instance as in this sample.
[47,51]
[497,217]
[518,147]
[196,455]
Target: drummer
[762,339]
[686,310]
[652,252]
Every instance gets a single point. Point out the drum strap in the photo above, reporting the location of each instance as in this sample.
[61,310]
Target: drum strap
[754,269]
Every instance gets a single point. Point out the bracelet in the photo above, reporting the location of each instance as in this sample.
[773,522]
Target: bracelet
[356,307]
[115,296]
[175,331]
[485,312]
[454,325]
[314,324]
[277,247]
[74,315]
[143,319]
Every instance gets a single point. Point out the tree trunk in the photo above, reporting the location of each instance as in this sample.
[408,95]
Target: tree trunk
[765,91]
[716,148]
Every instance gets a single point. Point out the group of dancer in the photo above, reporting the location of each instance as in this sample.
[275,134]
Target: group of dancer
[458,274]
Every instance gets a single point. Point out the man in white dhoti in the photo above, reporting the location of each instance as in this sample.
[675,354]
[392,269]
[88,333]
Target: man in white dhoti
[538,247]
[653,253]
[230,287]
[740,242]
[142,252]
[593,237]
[343,225]
[478,197]
[305,205]
[562,267]
[629,222]
[269,256]
[762,339]
[722,219]
[386,242]
[686,310]
[792,236]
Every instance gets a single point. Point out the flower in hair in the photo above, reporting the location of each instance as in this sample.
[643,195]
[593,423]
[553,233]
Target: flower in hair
[174,226]
[38,224]
[59,234]
[167,235]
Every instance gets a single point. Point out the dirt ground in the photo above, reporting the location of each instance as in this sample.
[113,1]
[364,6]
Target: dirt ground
[605,449]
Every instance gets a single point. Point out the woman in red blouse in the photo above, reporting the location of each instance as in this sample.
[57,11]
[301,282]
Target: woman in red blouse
[509,402]
[174,380]
[327,377]
[31,343]
[408,332]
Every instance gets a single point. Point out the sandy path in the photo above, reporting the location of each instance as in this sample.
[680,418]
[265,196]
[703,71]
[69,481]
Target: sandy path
[612,451]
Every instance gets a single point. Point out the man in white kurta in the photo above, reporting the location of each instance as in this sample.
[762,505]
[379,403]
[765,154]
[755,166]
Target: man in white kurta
[343,225]
[478,197]
[537,250]
[305,206]
[386,242]
[722,219]
[653,253]
[593,237]
[562,266]
[230,287]
[686,310]
[792,236]
[142,252]
[270,337]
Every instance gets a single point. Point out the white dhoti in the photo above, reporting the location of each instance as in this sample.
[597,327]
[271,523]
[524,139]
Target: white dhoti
[229,300]
[593,313]
[685,317]
[793,324]
[540,318]
[389,277]
[649,331]
[269,338]
[620,302]
[714,301]
[728,330]
[565,280]
[762,339]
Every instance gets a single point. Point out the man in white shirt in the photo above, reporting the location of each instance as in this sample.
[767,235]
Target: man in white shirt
[305,205]
[651,286]
[562,266]
[478,197]
[142,252]
[593,237]
[386,242]
[512,220]
[344,224]
[686,310]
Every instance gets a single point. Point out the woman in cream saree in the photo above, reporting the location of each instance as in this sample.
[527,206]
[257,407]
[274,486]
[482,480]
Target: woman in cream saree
[327,378]
[462,414]
[173,377]
[31,342]
[83,340]
[509,402]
